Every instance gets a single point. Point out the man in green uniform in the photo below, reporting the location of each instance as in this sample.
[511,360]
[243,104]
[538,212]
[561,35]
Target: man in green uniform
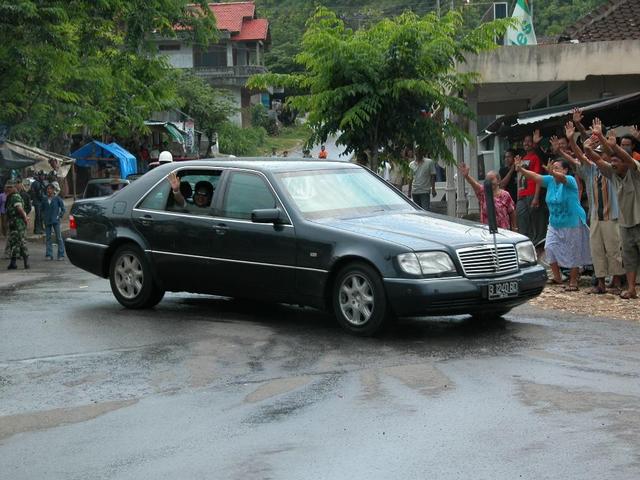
[17,220]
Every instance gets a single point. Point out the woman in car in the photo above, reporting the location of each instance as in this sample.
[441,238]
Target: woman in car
[567,241]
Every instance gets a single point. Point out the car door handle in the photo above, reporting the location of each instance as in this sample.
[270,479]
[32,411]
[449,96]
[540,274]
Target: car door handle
[220,228]
[146,220]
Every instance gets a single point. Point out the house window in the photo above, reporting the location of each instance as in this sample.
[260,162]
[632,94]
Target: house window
[164,47]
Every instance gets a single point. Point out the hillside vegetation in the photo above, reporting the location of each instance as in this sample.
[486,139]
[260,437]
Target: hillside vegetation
[288,18]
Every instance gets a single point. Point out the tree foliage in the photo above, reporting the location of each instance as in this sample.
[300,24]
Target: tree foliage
[67,64]
[375,87]
[209,107]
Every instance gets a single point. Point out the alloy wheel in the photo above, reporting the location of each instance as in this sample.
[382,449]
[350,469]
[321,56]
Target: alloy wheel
[356,299]
[129,277]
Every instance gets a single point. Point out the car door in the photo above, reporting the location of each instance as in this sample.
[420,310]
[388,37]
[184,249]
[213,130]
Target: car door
[182,239]
[260,257]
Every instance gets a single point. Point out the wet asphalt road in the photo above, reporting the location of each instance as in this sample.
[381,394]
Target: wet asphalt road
[203,387]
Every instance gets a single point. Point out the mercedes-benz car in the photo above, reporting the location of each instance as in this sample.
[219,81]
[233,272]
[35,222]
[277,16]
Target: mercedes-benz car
[329,235]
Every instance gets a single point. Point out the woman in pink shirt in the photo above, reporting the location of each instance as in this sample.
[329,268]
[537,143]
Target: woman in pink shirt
[504,207]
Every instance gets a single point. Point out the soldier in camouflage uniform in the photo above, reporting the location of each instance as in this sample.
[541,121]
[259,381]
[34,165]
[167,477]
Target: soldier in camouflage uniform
[17,220]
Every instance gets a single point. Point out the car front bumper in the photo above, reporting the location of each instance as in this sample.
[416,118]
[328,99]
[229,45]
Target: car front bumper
[460,295]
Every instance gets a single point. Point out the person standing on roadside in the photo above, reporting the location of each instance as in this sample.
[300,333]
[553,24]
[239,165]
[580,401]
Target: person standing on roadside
[532,220]
[423,173]
[52,212]
[17,220]
[38,194]
[508,175]
[624,173]
[3,212]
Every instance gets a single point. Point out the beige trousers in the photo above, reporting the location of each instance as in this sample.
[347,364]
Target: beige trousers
[606,252]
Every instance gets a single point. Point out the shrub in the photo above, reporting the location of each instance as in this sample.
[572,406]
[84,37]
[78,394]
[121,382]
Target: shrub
[260,118]
[239,141]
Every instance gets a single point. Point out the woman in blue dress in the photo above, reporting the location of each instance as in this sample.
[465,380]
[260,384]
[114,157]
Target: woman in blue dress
[567,242]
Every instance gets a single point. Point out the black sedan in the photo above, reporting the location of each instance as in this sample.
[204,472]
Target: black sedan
[324,234]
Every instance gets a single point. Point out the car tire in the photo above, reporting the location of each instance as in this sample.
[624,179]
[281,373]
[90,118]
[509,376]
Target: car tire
[359,300]
[131,281]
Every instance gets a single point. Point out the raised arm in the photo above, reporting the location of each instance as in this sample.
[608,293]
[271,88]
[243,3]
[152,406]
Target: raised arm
[577,116]
[464,171]
[610,144]
[603,166]
[555,146]
[174,181]
[527,173]
[537,140]
[569,130]
[507,178]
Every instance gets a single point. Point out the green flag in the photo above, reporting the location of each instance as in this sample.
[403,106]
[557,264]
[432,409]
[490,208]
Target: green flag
[523,33]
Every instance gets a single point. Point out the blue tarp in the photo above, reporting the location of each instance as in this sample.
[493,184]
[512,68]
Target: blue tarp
[95,151]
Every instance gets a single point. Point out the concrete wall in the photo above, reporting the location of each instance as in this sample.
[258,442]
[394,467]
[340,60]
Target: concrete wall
[182,58]
[560,62]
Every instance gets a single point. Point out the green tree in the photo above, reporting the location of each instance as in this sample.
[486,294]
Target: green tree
[208,107]
[68,64]
[373,87]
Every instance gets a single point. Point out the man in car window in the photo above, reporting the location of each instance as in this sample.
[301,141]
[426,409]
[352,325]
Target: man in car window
[202,194]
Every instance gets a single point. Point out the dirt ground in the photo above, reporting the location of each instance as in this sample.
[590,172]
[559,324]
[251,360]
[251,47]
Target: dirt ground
[582,303]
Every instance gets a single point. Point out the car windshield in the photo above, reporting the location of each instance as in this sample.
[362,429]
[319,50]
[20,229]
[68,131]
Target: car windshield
[340,193]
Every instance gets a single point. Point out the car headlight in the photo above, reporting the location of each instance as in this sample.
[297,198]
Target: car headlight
[426,263]
[526,253]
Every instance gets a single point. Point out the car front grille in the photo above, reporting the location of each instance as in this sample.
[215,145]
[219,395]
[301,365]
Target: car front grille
[486,260]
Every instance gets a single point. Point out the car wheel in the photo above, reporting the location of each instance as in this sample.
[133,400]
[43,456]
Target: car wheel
[359,300]
[131,280]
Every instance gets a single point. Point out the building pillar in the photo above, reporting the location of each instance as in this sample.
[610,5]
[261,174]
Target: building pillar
[229,54]
[258,61]
[450,189]
[472,148]
[461,203]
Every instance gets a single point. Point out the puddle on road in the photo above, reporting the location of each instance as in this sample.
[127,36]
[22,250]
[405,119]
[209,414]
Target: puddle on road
[616,414]
[424,378]
[27,422]
[278,387]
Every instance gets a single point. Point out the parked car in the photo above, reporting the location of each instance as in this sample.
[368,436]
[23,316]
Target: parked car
[319,233]
[103,187]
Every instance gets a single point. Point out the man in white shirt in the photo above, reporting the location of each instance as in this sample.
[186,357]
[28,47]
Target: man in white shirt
[423,172]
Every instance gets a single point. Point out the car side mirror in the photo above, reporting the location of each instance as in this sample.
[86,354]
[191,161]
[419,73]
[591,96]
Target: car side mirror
[266,215]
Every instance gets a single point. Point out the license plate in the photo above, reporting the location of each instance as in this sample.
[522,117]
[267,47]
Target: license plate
[503,290]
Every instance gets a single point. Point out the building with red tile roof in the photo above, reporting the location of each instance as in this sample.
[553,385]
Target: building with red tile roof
[238,54]
[614,20]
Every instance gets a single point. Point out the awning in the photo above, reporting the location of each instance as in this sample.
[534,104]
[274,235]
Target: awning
[18,155]
[616,111]
[92,152]
[174,132]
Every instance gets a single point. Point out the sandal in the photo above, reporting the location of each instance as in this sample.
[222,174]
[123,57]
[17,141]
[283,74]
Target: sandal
[571,288]
[626,295]
[553,281]
[597,291]
[614,290]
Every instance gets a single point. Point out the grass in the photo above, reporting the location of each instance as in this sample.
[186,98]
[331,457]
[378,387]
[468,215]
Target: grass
[289,138]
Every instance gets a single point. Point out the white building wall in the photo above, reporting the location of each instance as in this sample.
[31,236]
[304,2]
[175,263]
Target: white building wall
[182,58]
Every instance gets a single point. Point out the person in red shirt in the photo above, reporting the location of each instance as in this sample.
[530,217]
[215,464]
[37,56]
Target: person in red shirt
[532,218]
[322,153]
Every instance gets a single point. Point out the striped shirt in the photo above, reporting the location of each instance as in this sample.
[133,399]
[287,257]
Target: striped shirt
[603,200]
